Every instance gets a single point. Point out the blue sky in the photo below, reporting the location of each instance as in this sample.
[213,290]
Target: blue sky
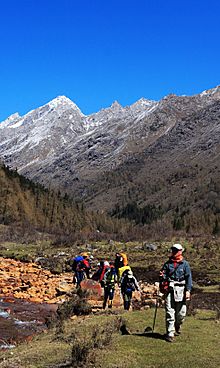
[99,51]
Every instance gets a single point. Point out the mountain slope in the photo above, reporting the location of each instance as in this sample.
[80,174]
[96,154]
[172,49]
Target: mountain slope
[28,207]
[144,161]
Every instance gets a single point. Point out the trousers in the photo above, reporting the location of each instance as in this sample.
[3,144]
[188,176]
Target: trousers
[175,313]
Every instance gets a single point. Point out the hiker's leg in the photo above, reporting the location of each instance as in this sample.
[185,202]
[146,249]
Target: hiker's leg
[180,314]
[87,273]
[170,315]
[105,297]
[126,301]
[111,295]
[129,299]
[126,307]
[78,279]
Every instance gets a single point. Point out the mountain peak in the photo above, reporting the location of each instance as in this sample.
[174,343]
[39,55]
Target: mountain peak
[144,102]
[62,101]
[116,105]
[211,92]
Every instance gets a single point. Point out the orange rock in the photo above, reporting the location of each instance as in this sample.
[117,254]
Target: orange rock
[35,299]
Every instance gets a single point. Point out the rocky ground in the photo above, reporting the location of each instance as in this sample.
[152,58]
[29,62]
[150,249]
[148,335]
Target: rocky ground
[30,294]
[29,281]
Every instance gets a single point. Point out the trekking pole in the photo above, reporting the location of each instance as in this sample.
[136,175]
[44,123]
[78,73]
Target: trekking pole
[155,315]
[151,329]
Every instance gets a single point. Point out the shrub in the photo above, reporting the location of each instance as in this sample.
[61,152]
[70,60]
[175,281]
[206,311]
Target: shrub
[101,336]
[76,305]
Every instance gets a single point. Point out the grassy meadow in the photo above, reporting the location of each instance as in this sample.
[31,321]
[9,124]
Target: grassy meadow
[196,347]
[77,343]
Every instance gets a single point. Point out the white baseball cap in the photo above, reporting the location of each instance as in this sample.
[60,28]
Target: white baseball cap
[178,247]
[130,274]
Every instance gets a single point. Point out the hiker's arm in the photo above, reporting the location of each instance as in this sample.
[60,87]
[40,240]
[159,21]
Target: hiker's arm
[136,285]
[164,273]
[164,279]
[188,278]
[122,284]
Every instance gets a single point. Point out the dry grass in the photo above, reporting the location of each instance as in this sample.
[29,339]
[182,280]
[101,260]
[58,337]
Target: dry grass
[89,339]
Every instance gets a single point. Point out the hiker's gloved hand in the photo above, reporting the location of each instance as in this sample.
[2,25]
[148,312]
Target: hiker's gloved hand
[188,295]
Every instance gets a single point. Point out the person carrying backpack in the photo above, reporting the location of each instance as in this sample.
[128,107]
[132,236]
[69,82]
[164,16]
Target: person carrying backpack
[176,284]
[82,269]
[128,285]
[75,262]
[109,281]
[100,272]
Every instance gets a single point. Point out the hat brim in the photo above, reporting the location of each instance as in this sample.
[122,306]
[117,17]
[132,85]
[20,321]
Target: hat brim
[177,249]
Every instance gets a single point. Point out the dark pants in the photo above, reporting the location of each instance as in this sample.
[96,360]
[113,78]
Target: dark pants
[80,275]
[108,294]
[127,296]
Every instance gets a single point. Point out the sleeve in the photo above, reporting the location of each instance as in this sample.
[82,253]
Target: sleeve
[188,276]
[104,279]
[87,264]
[136,284]
[123,284]
[163,273]
[164,279]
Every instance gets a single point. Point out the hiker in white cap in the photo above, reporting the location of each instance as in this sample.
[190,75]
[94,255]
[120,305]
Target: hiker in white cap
[176,285]
[128,285]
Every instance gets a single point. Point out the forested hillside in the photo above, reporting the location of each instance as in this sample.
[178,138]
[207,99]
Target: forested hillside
[32,207]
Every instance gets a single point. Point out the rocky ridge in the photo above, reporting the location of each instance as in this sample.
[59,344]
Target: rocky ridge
[59,146]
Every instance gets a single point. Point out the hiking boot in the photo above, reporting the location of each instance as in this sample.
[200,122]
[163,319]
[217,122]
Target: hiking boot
[178,330]
[169,338]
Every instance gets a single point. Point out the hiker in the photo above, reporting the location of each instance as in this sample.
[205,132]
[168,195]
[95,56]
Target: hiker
[74,263]
[99,274]
[86,263]
[121,272]
[176,285]
[109,281]
[82,269]
[128,285]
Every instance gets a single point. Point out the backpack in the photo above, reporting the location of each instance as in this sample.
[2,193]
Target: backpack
[76,262]
[122,270]
[110,276]
[129,284]
[124,259]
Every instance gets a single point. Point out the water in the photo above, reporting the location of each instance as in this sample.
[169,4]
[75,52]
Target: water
[20,320]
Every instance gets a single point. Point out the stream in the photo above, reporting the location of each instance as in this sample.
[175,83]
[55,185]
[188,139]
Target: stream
[20,320]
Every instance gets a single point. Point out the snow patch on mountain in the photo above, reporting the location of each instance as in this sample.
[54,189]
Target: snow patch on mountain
[210,92]
[16,125]
[62,102]
[10,120]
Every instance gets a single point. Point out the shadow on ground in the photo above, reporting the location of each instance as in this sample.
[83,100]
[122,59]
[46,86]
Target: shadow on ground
[146,333]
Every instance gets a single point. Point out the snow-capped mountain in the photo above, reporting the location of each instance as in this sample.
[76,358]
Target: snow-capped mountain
[56,144]
[59,129]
